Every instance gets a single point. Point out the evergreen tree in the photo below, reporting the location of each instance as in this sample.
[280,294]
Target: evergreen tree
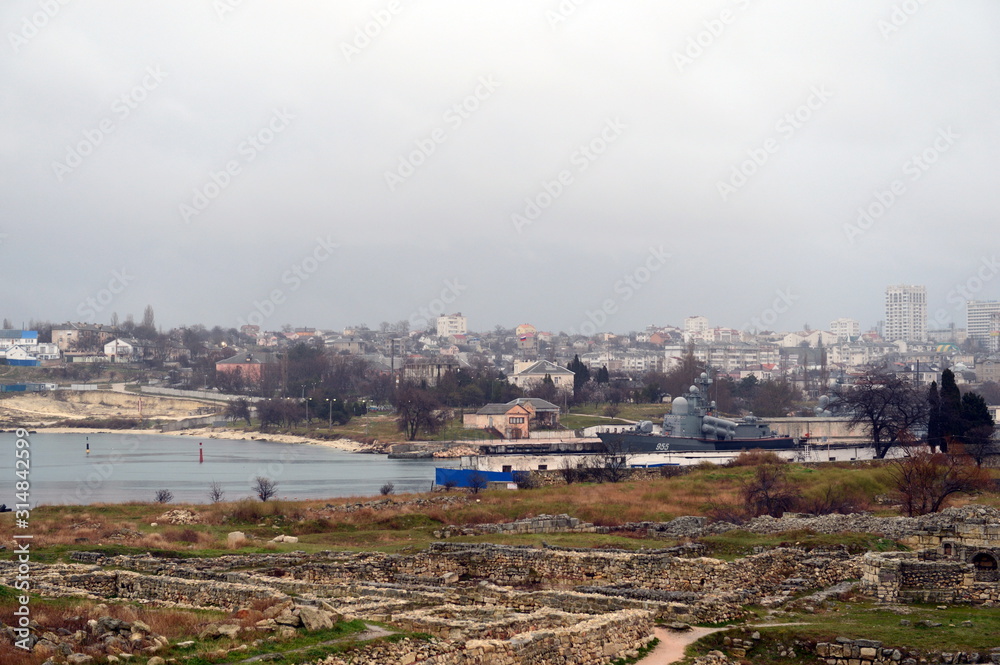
[934,417]
[602,375]
[581,373]
[952,425]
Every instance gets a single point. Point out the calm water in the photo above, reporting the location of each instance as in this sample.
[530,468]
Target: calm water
[129,467]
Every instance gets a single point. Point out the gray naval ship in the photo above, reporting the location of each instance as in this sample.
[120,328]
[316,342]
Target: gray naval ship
[691,426]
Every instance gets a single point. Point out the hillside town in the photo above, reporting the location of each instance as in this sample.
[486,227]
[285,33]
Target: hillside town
[812,361]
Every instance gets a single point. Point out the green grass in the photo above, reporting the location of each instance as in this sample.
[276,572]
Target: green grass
[632,412]
[870,621]
[573,421]
[305,647]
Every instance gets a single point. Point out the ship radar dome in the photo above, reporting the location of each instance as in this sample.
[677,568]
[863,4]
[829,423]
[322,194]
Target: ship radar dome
[679,407]
[693,389]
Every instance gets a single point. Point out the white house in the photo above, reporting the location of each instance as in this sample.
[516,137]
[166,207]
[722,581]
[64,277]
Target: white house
[121,350]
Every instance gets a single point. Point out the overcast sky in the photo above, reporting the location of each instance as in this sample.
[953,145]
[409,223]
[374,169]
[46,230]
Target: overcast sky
[617,162]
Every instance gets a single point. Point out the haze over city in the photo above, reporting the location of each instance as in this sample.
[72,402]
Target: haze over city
[519,161]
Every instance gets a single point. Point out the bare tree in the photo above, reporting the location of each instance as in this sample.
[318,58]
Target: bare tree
[924,480]
[164,496]
[417,410]
[611,463]
[264,488]
[886,408]
[767,491]
[477,482]
[387,489]
[215,492]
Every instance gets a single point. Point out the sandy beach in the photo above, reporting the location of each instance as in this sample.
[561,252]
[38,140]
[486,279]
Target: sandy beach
[347,445]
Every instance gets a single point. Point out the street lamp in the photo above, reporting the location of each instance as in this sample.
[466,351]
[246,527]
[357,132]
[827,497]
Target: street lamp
[331,401]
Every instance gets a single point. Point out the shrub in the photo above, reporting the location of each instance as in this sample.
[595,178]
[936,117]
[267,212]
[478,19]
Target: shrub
[756,457]
[164,496]
[387,489]
[767,491]
[924,481]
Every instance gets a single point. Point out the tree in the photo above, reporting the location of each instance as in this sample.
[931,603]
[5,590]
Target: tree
[767,491]
[611,463]
[477,482]
[417,409]
[886,408]
[215,492]
[264,487]
[581,374]
[990,390]
[387,489]
[924,480]
[545,390]
[164,496]
[238,409]
[148,318]
[602,375]
[934,418]
[774,399]
[977,440]
[952,424]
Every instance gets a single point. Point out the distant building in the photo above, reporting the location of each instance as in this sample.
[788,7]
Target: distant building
[248,364]
[845,329]
[123,350]
[906,313]
[9,338]
[453,324]
[515,419]
[983,322]
[82,336]
[529,374]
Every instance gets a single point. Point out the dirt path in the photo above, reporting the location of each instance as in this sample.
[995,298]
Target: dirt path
[672,644]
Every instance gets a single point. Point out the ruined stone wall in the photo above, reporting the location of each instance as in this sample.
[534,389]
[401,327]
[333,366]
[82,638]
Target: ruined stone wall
[597,641]
[894,576]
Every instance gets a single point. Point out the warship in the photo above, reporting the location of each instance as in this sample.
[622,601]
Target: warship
[692,425]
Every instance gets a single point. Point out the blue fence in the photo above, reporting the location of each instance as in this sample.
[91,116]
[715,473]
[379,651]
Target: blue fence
[467,477]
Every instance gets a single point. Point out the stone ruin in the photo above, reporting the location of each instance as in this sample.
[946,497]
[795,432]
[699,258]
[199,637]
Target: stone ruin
[954,561]
[522,605]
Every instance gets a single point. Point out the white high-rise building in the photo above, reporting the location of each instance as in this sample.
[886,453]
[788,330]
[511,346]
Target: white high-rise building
[845,329]
[453,324]
[980,322]
[906,313]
